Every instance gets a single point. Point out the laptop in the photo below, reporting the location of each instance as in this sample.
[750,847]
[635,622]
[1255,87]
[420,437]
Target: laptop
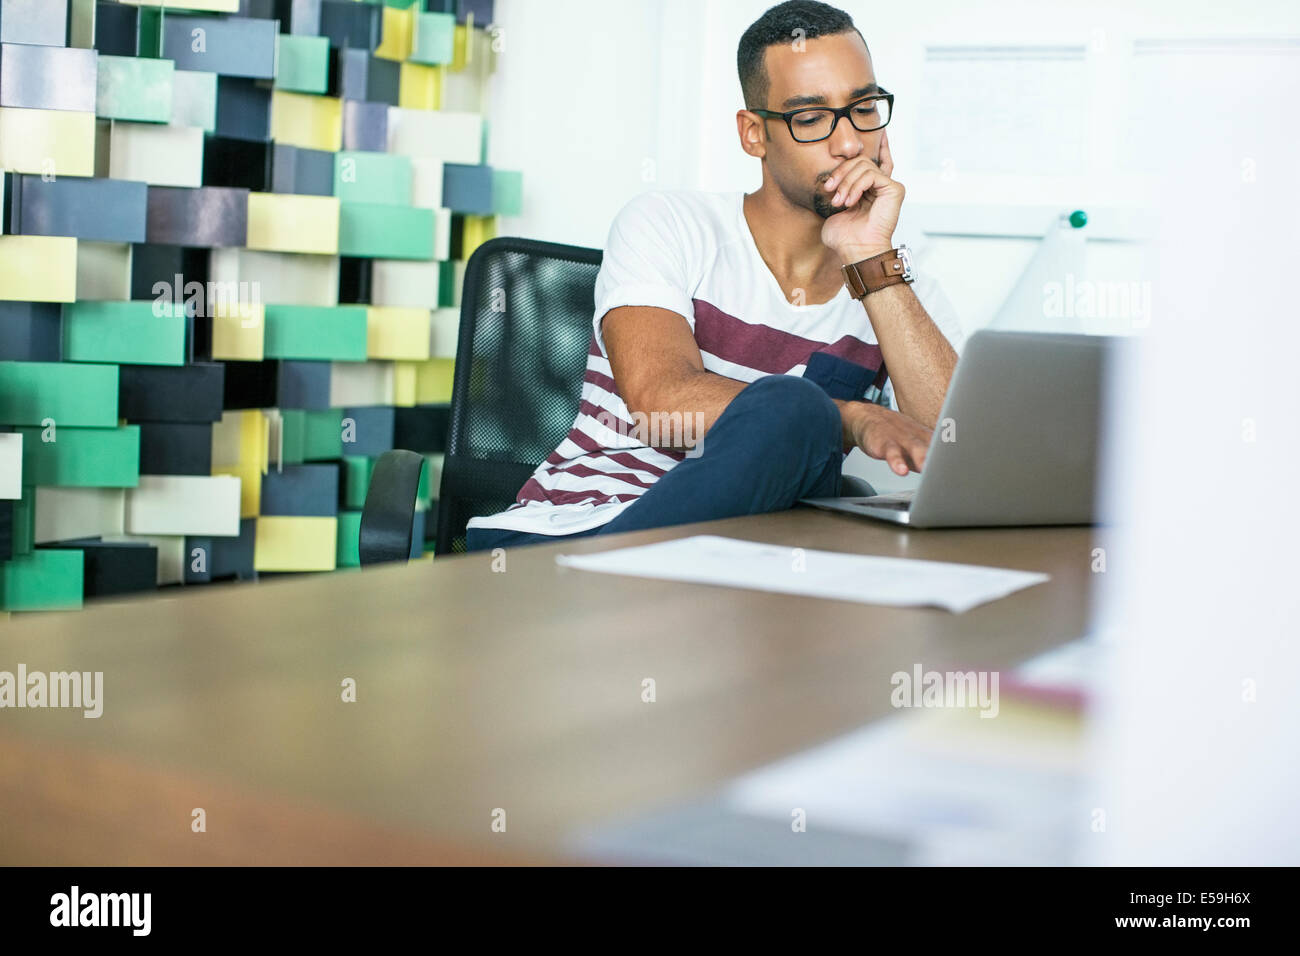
[1017,440]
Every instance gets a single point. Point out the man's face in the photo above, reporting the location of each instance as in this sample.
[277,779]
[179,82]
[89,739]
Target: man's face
[830,71]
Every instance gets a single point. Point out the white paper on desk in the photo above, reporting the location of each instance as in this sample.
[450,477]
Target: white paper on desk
[867,579]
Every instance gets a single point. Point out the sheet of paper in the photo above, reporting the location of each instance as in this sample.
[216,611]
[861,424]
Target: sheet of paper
[867,579]
[954,788]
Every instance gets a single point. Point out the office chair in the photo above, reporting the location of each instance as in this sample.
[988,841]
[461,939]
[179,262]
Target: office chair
[525,327]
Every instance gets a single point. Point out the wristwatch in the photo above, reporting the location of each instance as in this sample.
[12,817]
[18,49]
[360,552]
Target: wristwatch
[878,272]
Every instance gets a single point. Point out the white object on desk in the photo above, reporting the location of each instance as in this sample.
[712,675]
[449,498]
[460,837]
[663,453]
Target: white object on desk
[866,579]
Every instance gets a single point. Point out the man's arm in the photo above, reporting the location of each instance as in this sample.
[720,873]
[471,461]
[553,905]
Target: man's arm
[658,369]
[919,358]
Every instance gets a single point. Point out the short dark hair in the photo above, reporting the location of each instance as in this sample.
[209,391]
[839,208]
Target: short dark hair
[779,25]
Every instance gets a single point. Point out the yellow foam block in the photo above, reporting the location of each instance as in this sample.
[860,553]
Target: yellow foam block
[284,222]
[433,380]
[241,447]
[393,332]
[298,543]
[478,230]
[306,120]
[398,34]
[38,268]
[462,49]
[405,379]
[420,87]
[238,331]
[49,142]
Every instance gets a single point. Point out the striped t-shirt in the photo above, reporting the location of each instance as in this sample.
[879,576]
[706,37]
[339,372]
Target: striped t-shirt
[691,253]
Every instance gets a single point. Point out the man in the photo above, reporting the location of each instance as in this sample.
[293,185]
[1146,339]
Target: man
[731,365]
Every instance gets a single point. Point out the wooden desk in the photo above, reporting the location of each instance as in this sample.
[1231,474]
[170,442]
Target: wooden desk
[475,691]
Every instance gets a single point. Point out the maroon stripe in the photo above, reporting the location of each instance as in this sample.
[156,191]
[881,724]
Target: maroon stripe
[768,349]
[601,379]
[592,347]
[532,491]
[609,419]
[585,471]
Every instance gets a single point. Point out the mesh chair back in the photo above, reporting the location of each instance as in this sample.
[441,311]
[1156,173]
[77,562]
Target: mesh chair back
[525,328]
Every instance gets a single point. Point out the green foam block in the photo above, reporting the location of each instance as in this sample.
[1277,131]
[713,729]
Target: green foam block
[127,333]
[68,393]
[82,457]
[324,333]
[45,580]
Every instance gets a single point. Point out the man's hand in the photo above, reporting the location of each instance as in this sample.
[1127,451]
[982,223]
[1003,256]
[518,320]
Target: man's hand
[886,435]
[870,200]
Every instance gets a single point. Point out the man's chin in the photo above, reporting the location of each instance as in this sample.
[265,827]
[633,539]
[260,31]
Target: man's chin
[822,205]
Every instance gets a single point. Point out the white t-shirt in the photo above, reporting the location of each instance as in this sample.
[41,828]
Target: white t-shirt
[691,253]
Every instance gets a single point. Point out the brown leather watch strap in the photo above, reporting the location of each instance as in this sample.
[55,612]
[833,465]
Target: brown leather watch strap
[871,275]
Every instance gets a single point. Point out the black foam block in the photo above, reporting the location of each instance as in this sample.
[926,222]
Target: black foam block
[167,393]
[175,448]
[31,331]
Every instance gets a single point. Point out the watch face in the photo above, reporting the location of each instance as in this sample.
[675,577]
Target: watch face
[905,256]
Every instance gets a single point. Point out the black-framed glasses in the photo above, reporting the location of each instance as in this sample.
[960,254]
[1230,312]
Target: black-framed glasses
[812,124]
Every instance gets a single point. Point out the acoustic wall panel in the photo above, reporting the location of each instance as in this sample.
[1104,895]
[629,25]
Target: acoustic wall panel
[184,504]
[208,216]
[405,283]
[231,46]
[64,513]
[280,278]
[41,22]
[158,155]
[295,544]
[122,332]
[313,122]
[280,223]
[316,333]
[194,100]
[31,331]
[38,268]
[262,214]
[47,142]
[11,466]
[82,457]
[104,270]
[385,231]
[134,88]
[47,78]
[303,64]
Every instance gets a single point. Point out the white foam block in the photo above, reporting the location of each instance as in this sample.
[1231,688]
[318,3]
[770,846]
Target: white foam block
[184,504]
[103,270]
[11,465]
[404,282]
[63,513]
[442,234]
[444,330]
[282,278]
[426,182]
[156,154]
[361,383]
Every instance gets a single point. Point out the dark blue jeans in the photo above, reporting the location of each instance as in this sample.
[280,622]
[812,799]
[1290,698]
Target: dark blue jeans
[778,440]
